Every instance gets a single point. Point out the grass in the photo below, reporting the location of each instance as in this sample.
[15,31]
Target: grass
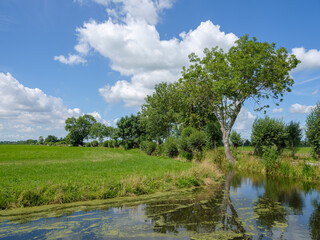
[302,167]
[40,175]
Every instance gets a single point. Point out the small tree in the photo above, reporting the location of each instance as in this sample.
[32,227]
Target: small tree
[313,129]
[79,129]
[213,135]
[294,135]
[235,139]
[267,132]
[41,140]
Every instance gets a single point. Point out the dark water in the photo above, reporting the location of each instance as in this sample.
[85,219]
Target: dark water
[240,208]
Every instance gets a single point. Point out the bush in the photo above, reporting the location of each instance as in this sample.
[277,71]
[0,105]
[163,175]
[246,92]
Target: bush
[105,144]
[193,142]
[270,158]
[88,144]
[148,147]
[170,148]
[159,150]
[186,155]
[94,143]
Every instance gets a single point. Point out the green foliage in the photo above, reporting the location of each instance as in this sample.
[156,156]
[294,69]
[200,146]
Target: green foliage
[94,143]
[170,148]
[270,158]
[225,80]
[308,171]
[87,144]
[294,135]
[158,114]
[130,131]
[105,144]
[192,141]
[267,132]
[79,129]
[99,130]
[313,129]
[41,140]
[235,139]
[213,135]
[186,155]
[50,139]
[148,147]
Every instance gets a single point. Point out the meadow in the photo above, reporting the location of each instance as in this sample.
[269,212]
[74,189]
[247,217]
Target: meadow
[40,175]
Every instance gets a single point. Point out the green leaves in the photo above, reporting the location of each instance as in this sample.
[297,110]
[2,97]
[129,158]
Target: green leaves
[313,129]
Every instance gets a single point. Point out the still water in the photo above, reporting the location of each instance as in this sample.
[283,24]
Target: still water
[240,208]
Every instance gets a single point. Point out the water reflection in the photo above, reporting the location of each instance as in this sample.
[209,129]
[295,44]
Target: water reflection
[240,208]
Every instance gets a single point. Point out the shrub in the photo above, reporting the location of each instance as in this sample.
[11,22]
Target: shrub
[159,150]
[270,157]
[88,144]
[186,155]
[192,141]
[105,144]
[313,130]
[94,143]
[148,147]
[170,148]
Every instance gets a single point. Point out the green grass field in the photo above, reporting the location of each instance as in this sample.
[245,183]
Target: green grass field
[38,175]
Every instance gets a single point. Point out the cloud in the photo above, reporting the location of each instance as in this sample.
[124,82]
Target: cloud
[244,122]
[277,110]
[72,59]
[98,117]
[315,92]
[301,109]
[309,59]
[135,49]
[24,109]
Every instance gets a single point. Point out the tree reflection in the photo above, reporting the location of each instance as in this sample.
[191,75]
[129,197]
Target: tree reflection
[314,221]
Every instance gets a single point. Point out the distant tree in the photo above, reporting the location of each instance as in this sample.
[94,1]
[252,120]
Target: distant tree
[313,129]
[294,135]
[267,132]
[235,139]
[247,143]
[79,129]
[100,131]
[213,134]
[50,139]
[249,70]
[41,140]
[130,131]
[159,113]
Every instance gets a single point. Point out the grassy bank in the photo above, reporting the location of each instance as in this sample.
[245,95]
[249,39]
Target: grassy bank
[40,175]
[302,167]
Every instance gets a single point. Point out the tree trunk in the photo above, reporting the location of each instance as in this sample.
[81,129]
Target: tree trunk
[227,148]
[292,149]
[319,158]
[215,146]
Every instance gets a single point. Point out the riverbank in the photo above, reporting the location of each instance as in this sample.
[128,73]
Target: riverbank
[302,166]
[41,175]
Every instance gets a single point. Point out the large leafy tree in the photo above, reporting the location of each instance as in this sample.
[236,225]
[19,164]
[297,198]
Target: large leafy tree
[294,135]
[313,129]
[100,131]
[79,128]
[249,70]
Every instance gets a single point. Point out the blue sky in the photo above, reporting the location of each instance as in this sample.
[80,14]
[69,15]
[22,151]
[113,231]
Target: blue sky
[65,58]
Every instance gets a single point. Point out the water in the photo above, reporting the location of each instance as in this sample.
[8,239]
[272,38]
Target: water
[240,208]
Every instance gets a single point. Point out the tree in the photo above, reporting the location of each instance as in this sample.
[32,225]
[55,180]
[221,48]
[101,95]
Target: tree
[158,114]
[313,129]
[131,131]
[267,132]
[249,70]
[79,128]
[99,130]
[235,139]
[41,140]
[294,135]
[213,134]
[50,139]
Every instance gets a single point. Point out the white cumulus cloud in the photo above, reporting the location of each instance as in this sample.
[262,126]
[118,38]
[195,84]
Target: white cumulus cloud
[72,59]
[244,123]
[135,49]
[309,59]
[301,109]
[277,110]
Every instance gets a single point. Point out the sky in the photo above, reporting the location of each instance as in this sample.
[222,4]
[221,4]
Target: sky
[65,58]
